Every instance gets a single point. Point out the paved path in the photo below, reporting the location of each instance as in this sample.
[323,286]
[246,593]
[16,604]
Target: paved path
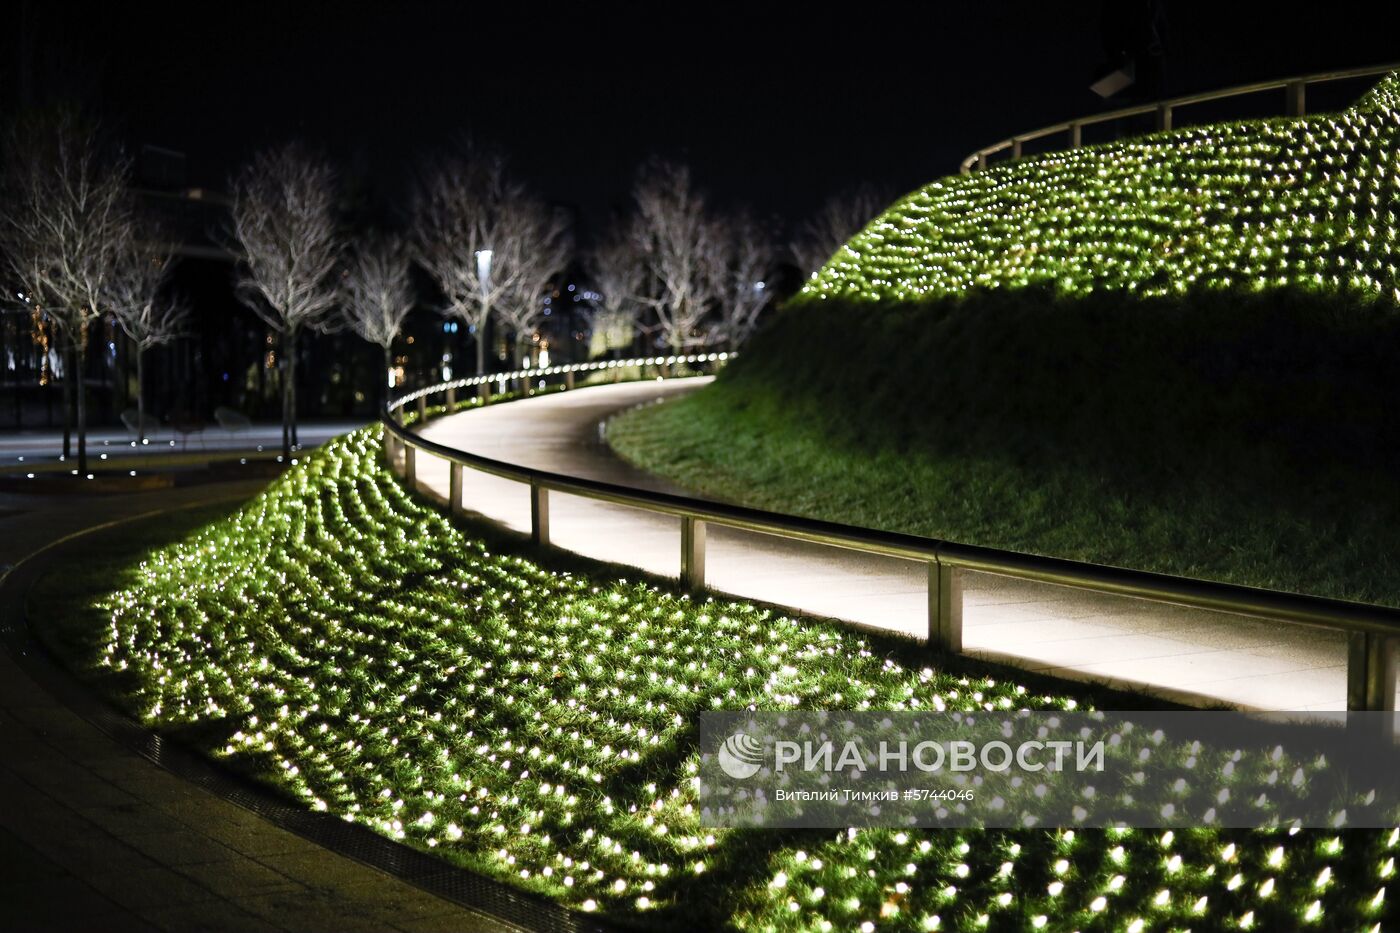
[96,837]
[41,451]
[1184,654]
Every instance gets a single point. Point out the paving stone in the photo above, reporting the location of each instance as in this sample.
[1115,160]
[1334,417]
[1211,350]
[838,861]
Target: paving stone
[241,877]
[261,840]
[402,900]
[79,788]
[166,791]
[149,888]
[312,913]
[93,836]
[132,819]
[210,917]
[38,893]
[181,848]
[189,804]
[42,819]
[454,923]
[68,910]
[92,749]
[127,769]
[92,853]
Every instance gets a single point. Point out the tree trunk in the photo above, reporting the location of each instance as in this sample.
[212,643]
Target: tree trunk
[288,340]
[140,394]
[81,353]
[66,354]
[296,441]
[481,346]
[385,373]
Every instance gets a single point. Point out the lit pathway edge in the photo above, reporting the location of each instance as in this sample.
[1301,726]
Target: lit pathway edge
[1189,640]
[506,907]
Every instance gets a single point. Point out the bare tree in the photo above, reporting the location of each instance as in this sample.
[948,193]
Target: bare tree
[683,249]
[540,252]
[487,242]
[288,243]
[66,220]
[378,294]
[750,261]
[840,218]
[621,278]
[144,315]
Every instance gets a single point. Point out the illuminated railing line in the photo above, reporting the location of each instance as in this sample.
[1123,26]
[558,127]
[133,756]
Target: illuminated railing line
[1294,88]
[1372,631]
[567,370]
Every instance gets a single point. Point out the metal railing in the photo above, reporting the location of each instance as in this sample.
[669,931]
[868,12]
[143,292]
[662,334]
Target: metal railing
[1372,631]
[1295,105]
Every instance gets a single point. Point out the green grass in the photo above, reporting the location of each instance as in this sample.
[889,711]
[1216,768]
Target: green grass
[64,601]
[1257,204]
[364,654]
[1243,437]
[1173,353]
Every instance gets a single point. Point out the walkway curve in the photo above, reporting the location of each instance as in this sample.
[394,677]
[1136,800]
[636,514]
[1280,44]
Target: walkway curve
[106,826]
[1188,655]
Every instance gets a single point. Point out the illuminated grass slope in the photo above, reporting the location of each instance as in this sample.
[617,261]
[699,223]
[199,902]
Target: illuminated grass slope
[1309,201]
[1174,353]
[368,656]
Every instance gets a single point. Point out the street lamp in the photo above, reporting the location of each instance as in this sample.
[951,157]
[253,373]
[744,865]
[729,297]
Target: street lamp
[483,278]
[483,267]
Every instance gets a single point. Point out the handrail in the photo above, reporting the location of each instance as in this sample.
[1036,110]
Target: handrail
[563,369]
[1296,107]
[1372,630]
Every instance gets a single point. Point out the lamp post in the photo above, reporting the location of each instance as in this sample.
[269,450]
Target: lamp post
[483,267]
[483,278]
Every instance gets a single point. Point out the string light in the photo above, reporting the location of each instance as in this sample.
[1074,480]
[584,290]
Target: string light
[364,653]
[1308,202]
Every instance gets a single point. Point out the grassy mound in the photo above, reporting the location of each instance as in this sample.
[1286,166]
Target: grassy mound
[371,658]
[1174,353]
[1242,437]
[1308,201]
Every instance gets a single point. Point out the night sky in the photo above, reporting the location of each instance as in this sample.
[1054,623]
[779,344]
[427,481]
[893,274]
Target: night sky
[776,108]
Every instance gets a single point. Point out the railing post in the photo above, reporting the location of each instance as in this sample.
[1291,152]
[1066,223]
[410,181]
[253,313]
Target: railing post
[539,514]
[1370,672]
[451,399]
[1015,150]
[422,409]
[945,607]
[483,392]
[1297,95]
[692,553]
[981,161]
[1164,116]
[569,379]
[1076,135]
[454,489]
[410,466]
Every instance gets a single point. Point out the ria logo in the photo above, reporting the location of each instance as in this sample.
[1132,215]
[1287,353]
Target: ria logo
[741,756]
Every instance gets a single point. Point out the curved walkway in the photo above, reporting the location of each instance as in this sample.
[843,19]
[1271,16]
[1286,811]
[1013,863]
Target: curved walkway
[1189,655]
[94,836]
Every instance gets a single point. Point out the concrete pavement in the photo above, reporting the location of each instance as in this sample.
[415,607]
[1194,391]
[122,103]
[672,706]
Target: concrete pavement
[1182,654]
[94,836]
[41,451]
